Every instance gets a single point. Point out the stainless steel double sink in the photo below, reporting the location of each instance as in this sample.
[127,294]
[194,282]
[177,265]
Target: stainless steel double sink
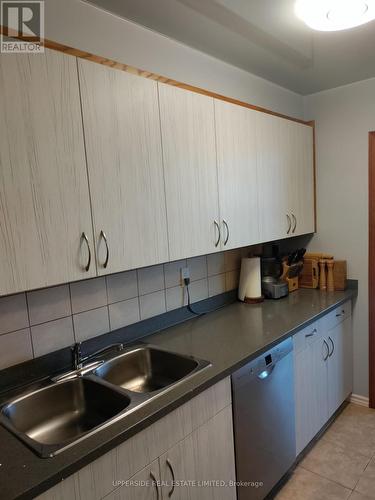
[57,416]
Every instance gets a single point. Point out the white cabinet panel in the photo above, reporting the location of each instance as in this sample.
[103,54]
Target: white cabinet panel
[145,485]
[273,177]
[123,142]
[301,181]
[189,150]
[44,196]
[206,455]
[311,397]
[237,173]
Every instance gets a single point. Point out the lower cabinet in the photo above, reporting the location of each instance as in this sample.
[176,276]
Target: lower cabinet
[323,357]
[188,454]
[202,466]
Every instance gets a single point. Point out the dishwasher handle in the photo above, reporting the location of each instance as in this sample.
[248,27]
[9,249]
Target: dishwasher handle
[264,374]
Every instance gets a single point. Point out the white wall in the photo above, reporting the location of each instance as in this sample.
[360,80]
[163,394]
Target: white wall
[80,25]
[344,116]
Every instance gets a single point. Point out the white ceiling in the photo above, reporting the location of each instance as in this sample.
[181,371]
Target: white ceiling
[261,36]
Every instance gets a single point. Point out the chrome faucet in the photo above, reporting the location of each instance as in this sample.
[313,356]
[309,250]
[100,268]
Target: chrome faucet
[78,359]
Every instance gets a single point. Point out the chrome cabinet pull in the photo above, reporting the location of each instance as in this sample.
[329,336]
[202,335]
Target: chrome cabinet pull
[227,229]
[153,479]
[327,346]
[85,238]
[312,333]
[289,223]
[340,314]
[295,223]
[104,236]
[333,346]
[170,467]
[219,233]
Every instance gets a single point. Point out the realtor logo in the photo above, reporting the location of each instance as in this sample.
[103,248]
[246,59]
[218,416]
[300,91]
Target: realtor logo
[22,27]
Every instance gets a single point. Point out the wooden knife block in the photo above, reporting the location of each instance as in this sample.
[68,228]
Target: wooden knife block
[310,274]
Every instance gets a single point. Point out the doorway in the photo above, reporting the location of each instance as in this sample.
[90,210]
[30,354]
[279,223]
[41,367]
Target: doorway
[371,255]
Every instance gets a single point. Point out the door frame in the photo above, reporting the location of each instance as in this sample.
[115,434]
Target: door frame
[371,255]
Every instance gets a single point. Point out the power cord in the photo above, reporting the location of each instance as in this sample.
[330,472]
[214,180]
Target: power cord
[200,313]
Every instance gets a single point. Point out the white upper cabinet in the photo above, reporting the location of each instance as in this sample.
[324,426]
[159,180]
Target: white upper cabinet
[188,132]
[123,142]
[285,177]
[237,173]
[301,204]
[44,196]
[273,176]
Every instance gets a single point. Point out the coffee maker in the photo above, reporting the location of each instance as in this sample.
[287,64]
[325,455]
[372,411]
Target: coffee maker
[272,286]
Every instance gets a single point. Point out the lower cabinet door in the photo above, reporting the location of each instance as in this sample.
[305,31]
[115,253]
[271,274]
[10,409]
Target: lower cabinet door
[311,392]
[347,331]
[336,369]
[145,485]
[202,465]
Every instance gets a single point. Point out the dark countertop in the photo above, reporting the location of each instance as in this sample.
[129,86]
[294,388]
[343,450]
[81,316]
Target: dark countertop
[228,338]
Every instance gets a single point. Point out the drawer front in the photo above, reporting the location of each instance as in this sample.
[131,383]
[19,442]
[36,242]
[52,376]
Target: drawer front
[337,316]
[306,336]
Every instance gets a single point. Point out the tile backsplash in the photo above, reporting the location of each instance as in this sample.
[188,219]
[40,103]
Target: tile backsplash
[35,323]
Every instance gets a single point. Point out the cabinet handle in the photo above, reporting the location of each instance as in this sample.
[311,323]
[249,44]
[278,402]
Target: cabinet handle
[327,346]
[340,314]
[153,479]
[227,229]
[333,346]
[104,236]
[219,233]
[170,467]
[85,238]
[295,223]
[311,334]
[289,223]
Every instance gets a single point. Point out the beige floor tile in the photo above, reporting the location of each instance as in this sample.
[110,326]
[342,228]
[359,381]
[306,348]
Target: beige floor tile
[366,485]
[305,485]
[354,429]
[334,462]
[358,496]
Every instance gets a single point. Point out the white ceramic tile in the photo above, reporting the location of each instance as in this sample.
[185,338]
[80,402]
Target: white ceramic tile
[122,286]
[215,264]
[175,297]
[124,313]
[197,267]
[232,280]
[15,348]
[152,304]
[232,259]
[90,324]
[13,313]
[199,290]
[172,273]
[216,285]
[52,336]
[88,294]
[49,304]
[150,279]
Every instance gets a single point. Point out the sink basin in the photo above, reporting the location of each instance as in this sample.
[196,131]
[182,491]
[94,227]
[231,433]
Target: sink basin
[147,369]
[51,418]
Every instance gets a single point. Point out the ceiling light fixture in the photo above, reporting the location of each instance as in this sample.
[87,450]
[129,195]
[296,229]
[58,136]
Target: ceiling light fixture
[335,15]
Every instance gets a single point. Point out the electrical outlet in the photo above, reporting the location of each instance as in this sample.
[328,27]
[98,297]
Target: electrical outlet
[185,274]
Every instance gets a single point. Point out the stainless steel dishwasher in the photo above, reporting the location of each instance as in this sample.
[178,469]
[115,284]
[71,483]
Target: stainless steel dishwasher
[263,411]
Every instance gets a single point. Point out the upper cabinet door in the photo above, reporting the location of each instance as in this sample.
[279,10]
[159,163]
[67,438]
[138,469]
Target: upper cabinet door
[44,196]
[188,131]
[273,177]
[237,172]
[302,178]
[123,143]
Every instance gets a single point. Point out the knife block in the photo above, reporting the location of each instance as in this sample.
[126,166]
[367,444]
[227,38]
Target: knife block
[291,275]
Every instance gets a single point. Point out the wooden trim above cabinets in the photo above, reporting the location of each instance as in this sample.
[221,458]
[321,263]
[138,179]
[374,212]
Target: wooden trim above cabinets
[153,76]
[372,268]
